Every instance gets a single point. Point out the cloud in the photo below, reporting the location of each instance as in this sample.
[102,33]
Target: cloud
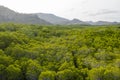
[103,12]
[85,1]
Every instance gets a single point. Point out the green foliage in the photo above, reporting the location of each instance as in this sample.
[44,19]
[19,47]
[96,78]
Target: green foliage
[47,75]
[69,75]
[13,72]
[97,73]
[54,52]
[107,73]
[6,60]
[33,70]
[2,72]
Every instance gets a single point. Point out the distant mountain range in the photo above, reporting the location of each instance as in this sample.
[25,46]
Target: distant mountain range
[8,15]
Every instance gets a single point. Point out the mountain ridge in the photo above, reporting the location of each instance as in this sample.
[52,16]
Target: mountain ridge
[8,15]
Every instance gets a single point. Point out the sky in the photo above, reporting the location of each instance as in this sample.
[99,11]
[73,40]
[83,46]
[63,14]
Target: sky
[86,10]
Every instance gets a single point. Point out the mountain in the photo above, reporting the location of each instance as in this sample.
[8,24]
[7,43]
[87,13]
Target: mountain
[7,15]
[101,23]
[77,21]
[63,21]
[58,20]
[52,18]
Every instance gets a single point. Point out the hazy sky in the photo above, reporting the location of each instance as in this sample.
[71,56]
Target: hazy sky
[107,10]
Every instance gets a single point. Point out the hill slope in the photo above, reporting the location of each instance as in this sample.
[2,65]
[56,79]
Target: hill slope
[58,20]
[7,15]
[52,18]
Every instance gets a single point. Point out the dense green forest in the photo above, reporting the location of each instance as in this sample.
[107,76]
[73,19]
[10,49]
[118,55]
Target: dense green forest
[74,52]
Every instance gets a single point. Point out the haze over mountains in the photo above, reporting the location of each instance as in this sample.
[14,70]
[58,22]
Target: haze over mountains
[7,15]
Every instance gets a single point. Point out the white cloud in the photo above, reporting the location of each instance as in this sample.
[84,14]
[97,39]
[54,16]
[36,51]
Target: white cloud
[102,12]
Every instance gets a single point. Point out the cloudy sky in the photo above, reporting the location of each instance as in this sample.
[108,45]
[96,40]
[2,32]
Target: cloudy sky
[95,10]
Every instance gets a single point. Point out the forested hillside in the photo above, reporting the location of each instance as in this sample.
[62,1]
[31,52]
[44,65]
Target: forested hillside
[36,52]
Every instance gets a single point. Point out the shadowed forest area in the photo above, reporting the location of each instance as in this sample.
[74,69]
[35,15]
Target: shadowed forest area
[73,52]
